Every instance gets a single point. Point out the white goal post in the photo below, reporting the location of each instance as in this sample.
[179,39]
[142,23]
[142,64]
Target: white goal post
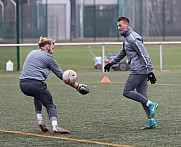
[103,44]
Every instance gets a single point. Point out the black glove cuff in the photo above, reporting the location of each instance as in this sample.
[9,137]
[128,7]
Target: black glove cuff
[112,63]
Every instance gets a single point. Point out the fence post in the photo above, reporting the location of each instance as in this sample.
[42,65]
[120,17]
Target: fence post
[103,56]
[161,59]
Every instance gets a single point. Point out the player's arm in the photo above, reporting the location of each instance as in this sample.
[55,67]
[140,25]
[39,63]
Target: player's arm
[120,55]
[69,77]
[54,67]
[81,88]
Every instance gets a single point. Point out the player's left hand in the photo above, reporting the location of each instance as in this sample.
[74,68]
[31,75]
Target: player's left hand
[82,89]
[152,78]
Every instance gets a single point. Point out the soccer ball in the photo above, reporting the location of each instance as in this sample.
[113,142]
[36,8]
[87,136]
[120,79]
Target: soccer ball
[69,76]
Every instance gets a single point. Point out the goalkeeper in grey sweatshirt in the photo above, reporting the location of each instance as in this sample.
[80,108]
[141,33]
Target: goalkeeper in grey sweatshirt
[141,70]
[35,71]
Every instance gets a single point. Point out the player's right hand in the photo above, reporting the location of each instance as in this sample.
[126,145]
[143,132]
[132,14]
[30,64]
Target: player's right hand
[107,67]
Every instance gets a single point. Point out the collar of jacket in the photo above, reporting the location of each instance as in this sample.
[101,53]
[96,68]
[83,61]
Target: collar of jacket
[126,32]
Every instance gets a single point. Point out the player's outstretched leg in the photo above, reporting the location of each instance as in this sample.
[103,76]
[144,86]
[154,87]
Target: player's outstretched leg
[57,129]
[151,124]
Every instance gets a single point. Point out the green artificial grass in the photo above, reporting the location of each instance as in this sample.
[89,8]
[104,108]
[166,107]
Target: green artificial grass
[104,115]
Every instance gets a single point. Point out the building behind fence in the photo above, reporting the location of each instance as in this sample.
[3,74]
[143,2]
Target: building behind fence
[84,19]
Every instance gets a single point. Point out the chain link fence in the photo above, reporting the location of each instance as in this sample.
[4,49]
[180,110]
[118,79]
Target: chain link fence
[87,19]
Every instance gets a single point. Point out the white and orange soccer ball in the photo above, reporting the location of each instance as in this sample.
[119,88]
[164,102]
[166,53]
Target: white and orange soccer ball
[69,76]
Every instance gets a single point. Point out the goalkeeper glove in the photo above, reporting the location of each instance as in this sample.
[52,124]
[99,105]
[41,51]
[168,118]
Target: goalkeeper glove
[81,88]
[152,78]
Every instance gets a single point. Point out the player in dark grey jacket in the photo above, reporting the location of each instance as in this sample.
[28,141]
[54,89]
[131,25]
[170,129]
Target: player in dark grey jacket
[141,70]
[36,69]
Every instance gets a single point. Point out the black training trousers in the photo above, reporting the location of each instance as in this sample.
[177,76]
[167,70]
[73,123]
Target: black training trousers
[42,96]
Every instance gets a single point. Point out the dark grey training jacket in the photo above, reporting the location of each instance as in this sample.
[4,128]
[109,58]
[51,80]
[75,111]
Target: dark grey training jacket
[138,59]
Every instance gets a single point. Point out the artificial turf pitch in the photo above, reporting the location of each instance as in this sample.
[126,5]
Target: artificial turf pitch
[102,118]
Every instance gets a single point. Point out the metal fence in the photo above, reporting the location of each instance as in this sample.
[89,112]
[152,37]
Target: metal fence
[86,19]
[164,55]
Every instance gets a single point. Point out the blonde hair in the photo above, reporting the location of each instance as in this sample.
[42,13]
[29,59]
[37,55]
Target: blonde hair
[43,41]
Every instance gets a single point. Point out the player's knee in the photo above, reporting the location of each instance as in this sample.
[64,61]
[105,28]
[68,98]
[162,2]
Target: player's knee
[51,107]
[126,93]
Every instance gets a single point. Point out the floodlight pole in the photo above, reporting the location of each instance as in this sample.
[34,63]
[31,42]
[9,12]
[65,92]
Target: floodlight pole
[94,21]
[16,5]
[2,5]
[17,34]
[163,20]
[46,11]
[141,17]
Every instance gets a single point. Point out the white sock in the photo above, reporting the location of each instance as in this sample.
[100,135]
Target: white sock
[148,103]
[39,116]
[54,123]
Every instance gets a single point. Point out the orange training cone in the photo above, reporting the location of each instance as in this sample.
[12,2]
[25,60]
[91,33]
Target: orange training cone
[105,79]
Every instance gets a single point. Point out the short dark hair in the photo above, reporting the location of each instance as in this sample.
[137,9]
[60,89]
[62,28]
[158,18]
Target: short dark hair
[125,19]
